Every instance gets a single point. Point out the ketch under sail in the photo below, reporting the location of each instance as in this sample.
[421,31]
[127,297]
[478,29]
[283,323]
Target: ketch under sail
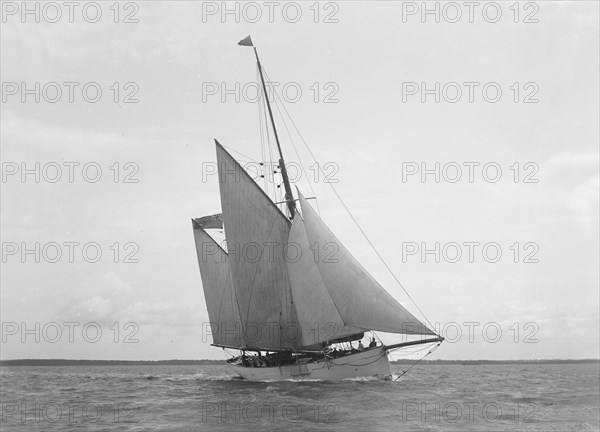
[273,289]
[277,290]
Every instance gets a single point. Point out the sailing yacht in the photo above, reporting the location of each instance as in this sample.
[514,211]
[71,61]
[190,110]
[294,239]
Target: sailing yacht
[274,295]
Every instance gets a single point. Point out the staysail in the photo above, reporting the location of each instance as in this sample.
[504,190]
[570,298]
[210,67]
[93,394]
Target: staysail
[361,301]
[224,326]
[257,233]
[318,317]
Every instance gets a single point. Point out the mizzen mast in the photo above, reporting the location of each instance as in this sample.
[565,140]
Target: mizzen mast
[289,197]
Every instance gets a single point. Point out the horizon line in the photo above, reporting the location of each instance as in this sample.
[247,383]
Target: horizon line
[224,360]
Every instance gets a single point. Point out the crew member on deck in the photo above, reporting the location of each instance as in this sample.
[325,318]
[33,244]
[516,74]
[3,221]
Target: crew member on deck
[360,346]
[373,344]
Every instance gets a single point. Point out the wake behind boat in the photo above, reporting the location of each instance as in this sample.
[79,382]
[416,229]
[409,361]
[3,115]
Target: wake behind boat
[275,292]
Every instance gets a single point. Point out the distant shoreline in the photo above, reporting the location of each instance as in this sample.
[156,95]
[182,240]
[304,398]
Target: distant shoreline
[65,362]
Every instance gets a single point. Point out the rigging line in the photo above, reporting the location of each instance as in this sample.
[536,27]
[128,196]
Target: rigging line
[262,141]
[287,195]
[416,351]
[264,135]
[228,353]
[377,336]
[291,139]
[240,153]
[356,222]
[271,164]
[246,161]
[264,128]
[312,190]
[417,362]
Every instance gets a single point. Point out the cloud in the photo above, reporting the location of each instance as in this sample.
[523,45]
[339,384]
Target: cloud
[108,299]
[570,158]
[584,199]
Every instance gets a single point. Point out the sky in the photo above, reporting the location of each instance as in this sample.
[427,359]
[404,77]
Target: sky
[112,271]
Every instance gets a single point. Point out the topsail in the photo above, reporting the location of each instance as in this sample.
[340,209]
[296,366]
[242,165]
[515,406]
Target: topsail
[212,221]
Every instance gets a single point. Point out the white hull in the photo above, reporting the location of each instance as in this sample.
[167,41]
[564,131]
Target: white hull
[370,363]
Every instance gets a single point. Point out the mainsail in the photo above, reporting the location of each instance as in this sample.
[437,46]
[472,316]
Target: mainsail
[257,233]
[358,297]
[219,293]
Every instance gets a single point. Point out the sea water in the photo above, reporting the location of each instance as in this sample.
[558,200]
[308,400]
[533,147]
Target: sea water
[517,397]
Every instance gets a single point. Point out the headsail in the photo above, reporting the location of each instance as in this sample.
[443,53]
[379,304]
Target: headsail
[219,293]
[257,233]
[359,298]
[318,316]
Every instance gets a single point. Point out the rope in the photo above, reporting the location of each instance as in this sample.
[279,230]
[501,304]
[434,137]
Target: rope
[262,141]
[417,362]
[355,221]
[262,111]
[377,336]
[415,351]
[291,139]
[249,159]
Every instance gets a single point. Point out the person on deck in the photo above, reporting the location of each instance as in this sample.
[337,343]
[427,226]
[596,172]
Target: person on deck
[373,344]
[360,346]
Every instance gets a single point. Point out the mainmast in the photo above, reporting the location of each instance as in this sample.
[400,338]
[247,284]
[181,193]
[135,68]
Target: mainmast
[289,197]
